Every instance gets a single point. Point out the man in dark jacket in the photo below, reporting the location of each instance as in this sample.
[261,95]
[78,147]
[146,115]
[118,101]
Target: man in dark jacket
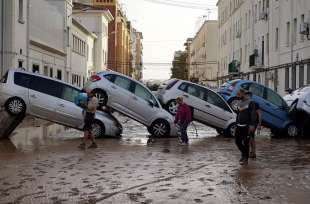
[246,121]
[183,118]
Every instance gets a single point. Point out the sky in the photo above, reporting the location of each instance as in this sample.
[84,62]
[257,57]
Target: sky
[165,30]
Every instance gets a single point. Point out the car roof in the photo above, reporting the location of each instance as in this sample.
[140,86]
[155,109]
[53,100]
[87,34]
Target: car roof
[202,86]
[42,76]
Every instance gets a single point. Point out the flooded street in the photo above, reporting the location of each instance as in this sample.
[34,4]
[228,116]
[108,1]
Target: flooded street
[43,165]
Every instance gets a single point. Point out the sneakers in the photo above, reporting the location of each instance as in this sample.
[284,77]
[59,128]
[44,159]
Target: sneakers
[243,161]
[82,146]
[93,146]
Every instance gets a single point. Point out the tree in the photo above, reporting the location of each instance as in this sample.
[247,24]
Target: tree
[179,65]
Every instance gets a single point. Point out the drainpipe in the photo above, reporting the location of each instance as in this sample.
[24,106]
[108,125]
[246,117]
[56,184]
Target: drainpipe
[2,38]
[27,34]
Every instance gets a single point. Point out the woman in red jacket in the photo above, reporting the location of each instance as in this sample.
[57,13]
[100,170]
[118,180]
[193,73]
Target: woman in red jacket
[183,118]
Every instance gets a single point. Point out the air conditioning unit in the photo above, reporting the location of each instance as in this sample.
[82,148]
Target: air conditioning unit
[238,34]
[304,29]
[263,16]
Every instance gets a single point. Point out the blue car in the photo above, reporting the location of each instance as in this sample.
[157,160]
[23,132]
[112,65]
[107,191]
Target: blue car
[275,113]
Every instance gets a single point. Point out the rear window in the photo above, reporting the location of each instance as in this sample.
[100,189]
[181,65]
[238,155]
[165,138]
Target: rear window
[4,78]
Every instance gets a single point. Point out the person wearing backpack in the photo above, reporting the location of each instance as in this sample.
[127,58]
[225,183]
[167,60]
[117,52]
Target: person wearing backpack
[246,120]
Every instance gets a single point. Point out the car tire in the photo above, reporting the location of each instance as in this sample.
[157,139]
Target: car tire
[101,96]
[230,131]
[98,129]
[15,106]
[171,107]
[160,128]
[233,103]
[291,130]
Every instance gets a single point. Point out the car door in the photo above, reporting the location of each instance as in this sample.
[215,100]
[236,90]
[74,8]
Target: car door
[120,89]
[142,104]
[217,109]
[44,96]
[275,109]
[68,113]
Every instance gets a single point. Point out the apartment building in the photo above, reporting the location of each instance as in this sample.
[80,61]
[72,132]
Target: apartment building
[136,53]
[265,41]
[203,54]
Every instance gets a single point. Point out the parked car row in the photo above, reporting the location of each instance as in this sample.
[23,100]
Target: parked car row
[51,99]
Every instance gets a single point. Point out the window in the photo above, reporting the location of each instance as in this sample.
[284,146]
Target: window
[214,99]
[255,13]
[267,44]
[274,98]
[59,74]
[20,63]
[277,39]
[110,77]
[294,77]
[35,68]
[301,75]
[302,17]
[122,82]
[22,79]
[295,31]
[45,86]
[287,77]
[21,11]
[194,91]
[79,46]
[45,71]
[69,93]
[257,90]
[308,73]
[51,72]
[288,28]
[143,93]
[183,86]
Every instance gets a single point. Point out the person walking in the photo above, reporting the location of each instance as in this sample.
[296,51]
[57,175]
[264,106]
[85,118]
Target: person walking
[183,118]
[91,108]
[245,125]
[258,125]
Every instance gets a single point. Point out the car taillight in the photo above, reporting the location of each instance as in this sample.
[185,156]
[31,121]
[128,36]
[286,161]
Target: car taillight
[169,86]
[95,78]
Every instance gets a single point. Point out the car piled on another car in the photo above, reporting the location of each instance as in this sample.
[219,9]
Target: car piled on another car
[275,111]
[133,99]
[207,106]
[23,92]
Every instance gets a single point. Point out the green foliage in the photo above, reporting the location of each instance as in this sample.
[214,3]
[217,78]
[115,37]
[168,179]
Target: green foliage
[179,67]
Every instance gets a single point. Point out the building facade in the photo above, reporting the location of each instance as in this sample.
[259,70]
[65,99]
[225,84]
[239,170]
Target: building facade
[204,54]
[137,53]
[187,45]
[266,41]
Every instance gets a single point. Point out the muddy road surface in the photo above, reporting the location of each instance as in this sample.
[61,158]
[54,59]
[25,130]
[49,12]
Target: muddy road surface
[43,165]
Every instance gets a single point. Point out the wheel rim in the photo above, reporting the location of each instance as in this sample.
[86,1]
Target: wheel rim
[96,130]
[173,106]
[16,106]
[292,131]
[101,98]
[159,129]
[234,104]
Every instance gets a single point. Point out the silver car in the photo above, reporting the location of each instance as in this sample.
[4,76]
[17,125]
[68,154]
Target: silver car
[207,106]
[134,100]
[23,92]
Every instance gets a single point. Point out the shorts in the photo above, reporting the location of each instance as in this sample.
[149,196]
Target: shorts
[89,121]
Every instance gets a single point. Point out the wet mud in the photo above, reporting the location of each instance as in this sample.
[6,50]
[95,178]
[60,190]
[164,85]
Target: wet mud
[43,165]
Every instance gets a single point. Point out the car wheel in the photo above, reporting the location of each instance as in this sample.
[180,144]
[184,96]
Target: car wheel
[160,128]
[15,106]
[172,107]
[291,130]
[230,131]
[234,104]
[101,96]
[98,129]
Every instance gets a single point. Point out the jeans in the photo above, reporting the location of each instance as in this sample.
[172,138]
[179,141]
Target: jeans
[183,130]
[242,140]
